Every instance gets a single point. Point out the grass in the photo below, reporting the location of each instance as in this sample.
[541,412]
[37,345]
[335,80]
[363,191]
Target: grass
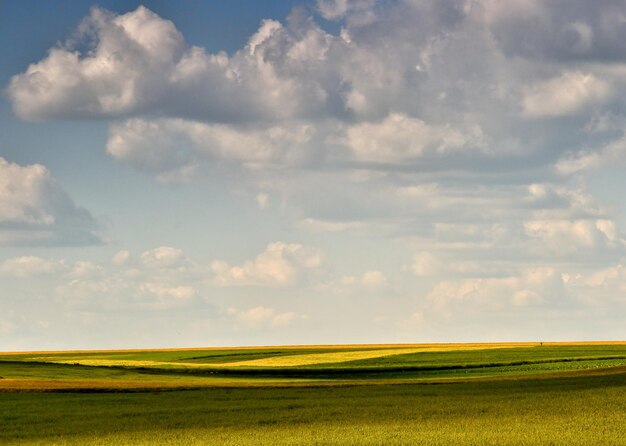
[522,394]
[583,410]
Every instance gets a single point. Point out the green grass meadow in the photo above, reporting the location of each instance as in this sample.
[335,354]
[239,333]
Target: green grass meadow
[563,394]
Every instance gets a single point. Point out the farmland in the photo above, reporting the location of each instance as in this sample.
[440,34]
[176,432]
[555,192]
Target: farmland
[571,393]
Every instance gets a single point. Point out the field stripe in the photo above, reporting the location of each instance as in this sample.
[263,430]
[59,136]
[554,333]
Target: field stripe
[273,361]
[341,357]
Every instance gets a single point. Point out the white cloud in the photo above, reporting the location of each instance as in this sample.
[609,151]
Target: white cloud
[373,279]
[149,146]
[180,293]
[568,237]
[333,9]
[598,287]
[578,163]
[86,270]
[369,282]
[428,265]
[612,153]
[412,122]
[362,92]
[173,148]
[316,225]
[29,266]
[140,61]
[161,278]
[163,257]
[35,210]
[265,317]
[533,286]
[399,137]
[279,265]
[359,11]
[564,95]
[90,292]
[132,58]
[121,257]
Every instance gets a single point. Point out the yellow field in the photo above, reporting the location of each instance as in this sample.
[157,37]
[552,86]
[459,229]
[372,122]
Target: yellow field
[337,357]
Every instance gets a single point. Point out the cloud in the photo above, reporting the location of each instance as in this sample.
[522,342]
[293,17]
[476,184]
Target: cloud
[566,237]
[139,61]
[398,138]
[148,146]
[159,278]
[164,277]
[86,270]
[121,257]
[104,292]
[131,59]
[564,95]
[599,287]
[369,282]
[611,153]
[454,262]
[172,149]
[426,264]
[164,297]
[279,265]
[542,286]
[163,257]
[560,31]
[460,126]
[35,210]
[30,266]
[260,316]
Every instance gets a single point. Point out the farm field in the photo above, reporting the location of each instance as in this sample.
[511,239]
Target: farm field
[569,393]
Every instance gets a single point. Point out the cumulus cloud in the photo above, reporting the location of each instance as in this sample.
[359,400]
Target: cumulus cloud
[258,317]
[29,266]
[172,149]
[86,270]
[398,138]
[279,265]
[131,59]
[121,257]
[448,123]
[569,237]
[159,278]
[165,296]
[564,95]
[527,298]
[426,264]
[598,287]
[164,277]
[369,282]
[561,31]
[163,257]
[612,153]
[532,286]
[140,61]
[35,210]
[414,79]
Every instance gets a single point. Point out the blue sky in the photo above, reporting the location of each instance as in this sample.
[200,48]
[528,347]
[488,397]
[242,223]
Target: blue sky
[333,171]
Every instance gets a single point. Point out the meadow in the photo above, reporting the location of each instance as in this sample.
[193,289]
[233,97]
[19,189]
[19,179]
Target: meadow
[523,394]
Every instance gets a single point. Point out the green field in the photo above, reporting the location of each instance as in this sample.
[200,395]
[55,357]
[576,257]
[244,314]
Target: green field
[565,394]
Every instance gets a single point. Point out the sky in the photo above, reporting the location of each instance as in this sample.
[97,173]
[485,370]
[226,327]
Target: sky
[312,172]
